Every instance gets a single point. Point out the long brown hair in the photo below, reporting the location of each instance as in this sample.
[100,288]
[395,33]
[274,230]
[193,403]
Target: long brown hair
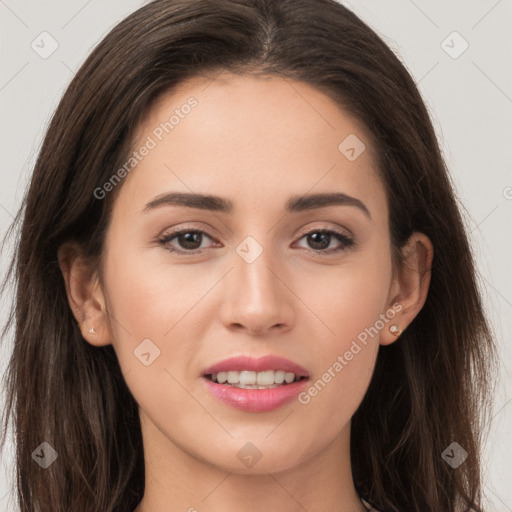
[429,389]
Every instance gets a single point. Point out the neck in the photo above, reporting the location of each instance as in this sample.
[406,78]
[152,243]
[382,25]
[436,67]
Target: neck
[177,481]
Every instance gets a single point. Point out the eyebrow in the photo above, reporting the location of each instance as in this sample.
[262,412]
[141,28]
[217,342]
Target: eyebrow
[222,205]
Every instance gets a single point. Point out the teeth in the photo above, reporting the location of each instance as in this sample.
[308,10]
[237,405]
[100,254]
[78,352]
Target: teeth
[233,377]
[262,378]
[279,377]
[254,380]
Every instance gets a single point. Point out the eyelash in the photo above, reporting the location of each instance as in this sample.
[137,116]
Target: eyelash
[346,241]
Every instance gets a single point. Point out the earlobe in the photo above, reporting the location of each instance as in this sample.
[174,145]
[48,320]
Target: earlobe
[410,285]
[85,295]
[394,328]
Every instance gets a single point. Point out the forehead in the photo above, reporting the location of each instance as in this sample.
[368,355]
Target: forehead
[256,138]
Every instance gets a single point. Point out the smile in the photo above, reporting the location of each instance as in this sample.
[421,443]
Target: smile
[247,379]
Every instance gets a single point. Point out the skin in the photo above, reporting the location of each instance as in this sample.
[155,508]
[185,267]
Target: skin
[255,141]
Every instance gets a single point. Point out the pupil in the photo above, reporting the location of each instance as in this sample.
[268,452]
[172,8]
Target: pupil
[192,240]
[188,238]
[314,238]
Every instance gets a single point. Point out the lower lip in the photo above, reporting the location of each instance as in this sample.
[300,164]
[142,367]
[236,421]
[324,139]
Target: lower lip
[255,400]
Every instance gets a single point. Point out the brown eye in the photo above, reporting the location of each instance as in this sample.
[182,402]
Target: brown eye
[320,239]
[188,241]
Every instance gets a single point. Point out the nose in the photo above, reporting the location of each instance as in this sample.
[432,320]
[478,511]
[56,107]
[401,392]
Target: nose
[258,299]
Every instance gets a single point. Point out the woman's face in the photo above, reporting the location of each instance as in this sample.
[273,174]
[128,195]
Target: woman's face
[260,280]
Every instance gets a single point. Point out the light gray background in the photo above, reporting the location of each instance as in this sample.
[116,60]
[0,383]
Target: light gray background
[469,97]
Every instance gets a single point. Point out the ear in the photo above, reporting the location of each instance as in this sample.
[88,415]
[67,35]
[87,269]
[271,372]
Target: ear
[410,284]
[85,294]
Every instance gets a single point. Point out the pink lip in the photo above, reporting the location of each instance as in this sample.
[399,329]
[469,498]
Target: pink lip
[260,364]
[256,400]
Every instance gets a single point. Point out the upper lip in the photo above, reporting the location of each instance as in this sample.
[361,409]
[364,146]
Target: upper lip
[259,364]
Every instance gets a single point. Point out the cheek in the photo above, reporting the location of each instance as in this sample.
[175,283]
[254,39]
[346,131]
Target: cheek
[148,296]
[352,307]
[153,311]
[349,297]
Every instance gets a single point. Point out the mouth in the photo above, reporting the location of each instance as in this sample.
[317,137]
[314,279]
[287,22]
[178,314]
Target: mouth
[255,385]
[246,371]
[247,379]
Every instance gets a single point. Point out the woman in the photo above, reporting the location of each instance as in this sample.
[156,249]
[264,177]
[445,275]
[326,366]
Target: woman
[227,293]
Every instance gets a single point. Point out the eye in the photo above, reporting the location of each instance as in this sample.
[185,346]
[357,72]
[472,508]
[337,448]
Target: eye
[320,239]
[189,239]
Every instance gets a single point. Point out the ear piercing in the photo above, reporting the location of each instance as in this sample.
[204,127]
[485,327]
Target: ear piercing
[91,330]
[395,330]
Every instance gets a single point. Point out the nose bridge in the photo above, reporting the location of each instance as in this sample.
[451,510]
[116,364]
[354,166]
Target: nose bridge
[256,296]
[255,260]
